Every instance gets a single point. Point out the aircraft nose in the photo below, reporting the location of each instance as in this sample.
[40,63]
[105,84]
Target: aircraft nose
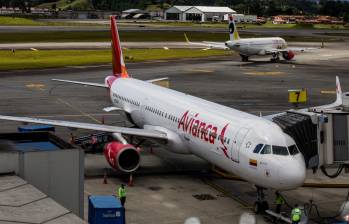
[292,172]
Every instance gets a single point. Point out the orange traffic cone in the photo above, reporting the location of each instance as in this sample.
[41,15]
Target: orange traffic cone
[105,181]
[130,180]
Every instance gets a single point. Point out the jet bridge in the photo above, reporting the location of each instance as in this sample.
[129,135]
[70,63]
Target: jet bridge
[321,133]
[302,129]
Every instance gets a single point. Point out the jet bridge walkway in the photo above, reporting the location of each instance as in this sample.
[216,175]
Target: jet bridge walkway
[301,128]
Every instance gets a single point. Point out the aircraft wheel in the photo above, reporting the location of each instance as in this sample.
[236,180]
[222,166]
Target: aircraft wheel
[244,58]
[258,207]
[265,206]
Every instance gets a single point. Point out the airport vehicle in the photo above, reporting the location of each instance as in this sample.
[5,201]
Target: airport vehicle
[252,147]
[248,47]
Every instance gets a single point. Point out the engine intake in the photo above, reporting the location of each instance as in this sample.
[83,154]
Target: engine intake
[288,55]
[124,157]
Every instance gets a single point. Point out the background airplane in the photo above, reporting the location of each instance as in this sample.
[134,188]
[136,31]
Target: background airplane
[247,47]
[250,146]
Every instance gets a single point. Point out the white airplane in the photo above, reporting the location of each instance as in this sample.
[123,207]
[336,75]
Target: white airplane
[248,47]
[249,146]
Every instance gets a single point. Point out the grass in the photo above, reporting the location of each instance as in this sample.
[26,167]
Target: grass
[86,36]
[25,59]
[17,21]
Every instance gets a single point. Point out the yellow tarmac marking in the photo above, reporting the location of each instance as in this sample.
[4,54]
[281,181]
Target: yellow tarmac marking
[35,86]
[153,61]
[200,70]
[76,109]
[328,91]
[265,73]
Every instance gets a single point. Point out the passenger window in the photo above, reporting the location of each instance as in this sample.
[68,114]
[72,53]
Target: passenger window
[280,150]
[293,149]
[258,148]
[266,149]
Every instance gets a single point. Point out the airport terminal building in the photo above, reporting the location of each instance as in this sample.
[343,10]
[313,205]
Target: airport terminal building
[197,13]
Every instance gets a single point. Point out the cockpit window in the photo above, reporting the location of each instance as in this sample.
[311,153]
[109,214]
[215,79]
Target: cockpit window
[293,149]
[258,148]
[280,150]
[266,149]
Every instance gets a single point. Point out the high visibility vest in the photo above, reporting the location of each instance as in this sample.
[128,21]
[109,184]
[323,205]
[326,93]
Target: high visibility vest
[280,200]
[122,192]
[296,214]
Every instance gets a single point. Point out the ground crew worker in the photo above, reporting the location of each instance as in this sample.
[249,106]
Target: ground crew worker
[279,200]
[122,194]
[296,215]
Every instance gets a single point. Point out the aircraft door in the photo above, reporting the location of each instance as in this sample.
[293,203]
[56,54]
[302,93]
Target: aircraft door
[143,110]
[237,144]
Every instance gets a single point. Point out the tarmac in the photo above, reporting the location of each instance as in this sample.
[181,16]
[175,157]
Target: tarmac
[169,188]
[142,45]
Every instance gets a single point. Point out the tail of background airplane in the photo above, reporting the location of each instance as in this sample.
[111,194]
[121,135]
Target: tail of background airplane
[119,67]
[233,32]
[339,99]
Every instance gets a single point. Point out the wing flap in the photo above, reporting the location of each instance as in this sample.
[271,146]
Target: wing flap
[88,126]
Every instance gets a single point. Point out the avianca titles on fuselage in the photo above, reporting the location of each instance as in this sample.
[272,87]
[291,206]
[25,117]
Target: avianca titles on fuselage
[249,146]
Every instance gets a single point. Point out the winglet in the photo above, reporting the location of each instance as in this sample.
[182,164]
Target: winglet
[186,38]
[338,92]
[119,67]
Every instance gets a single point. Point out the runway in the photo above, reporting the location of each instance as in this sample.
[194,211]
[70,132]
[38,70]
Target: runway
[255,87]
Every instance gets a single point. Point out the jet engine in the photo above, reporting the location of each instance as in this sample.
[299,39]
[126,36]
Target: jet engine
[288,55]
[124,157]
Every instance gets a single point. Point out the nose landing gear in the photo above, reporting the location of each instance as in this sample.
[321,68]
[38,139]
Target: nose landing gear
[244,58]
[260,206]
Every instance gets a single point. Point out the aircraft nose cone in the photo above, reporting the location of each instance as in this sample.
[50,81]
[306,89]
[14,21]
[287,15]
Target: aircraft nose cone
[292,172]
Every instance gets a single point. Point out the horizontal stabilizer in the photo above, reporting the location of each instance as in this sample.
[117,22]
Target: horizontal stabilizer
[164,82]
[81,83]
[110,109]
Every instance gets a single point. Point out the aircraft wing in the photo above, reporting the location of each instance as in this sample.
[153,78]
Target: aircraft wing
[207,44]
[100,84]
[294,49]
[97,127]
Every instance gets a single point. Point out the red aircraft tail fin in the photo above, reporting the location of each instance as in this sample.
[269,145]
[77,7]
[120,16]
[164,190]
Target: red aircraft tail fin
[119,67]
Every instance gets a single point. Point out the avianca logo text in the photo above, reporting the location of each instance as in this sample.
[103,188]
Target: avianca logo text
[197,128]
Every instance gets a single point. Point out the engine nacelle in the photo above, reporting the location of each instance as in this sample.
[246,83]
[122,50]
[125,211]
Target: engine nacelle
[124,157]
[288,55]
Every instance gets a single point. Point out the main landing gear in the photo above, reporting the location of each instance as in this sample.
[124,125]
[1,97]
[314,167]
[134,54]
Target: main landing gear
[244,58]
[275,57]
[260,205]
